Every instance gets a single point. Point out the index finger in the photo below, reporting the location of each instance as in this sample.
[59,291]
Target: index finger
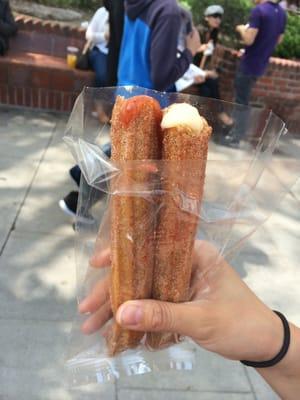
[101,259]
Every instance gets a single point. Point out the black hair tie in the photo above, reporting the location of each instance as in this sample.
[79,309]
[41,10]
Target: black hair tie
[282,352]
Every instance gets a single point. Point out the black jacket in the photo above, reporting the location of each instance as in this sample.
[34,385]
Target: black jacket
[8,26]
[116,21]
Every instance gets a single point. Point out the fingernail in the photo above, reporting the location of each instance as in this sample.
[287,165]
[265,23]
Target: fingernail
[129,315]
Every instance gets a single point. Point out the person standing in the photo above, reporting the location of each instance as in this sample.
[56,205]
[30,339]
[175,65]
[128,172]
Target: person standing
[261,35]
[104,59]
[8,26]
[98,34]
[213,15]
[116,22]
[148,56]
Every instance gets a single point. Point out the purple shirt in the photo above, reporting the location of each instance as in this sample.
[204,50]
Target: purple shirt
[270,20]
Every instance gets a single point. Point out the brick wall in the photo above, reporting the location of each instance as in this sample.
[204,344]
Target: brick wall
[278,89]
[45,88]
[45,37]
[34,72]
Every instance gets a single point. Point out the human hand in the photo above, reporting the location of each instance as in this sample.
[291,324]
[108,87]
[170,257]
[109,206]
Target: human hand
[240,28]
[97,303]
[193,41]
[223,314]
[202,48]
[199,79]
[211,74]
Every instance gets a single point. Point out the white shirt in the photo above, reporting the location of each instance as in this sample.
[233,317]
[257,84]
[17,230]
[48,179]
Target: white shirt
[98,28]
[188,78]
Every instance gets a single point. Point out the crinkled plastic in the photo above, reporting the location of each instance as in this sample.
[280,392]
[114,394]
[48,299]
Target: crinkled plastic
[242,187]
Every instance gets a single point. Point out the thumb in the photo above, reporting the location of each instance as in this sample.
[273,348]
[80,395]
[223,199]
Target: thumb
[159,316]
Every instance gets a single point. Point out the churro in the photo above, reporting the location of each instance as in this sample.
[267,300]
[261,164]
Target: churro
[185,139]
[135,134]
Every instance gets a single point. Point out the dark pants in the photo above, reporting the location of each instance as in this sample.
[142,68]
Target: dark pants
[76,171]
[98,62]
[209,88]
[243,85]
[116,21]
[3,46]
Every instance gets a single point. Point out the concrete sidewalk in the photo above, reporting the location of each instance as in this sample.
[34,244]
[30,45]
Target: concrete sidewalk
[37,277]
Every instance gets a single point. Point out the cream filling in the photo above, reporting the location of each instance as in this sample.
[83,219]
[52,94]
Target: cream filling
[183,115]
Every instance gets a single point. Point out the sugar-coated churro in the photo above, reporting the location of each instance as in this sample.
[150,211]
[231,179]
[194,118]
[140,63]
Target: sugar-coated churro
[185,138]
[135,134]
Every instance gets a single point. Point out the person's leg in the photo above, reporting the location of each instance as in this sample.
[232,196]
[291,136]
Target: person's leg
[75,173]
[69,203]
[2,46]
[204,89]
[98,61]
[213,85]
[106,148]
[243,85]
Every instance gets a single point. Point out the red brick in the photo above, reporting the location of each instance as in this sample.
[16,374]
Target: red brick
[19,75]
[19,19]
[47,27]
[66,102]
[19,96]
[12,95]
[58,101]
[51,101]
[55,28]
[43,99]
[28,23]
[282,82]
[37,25]
[27,97]
[41,78]
[3,94]
[62,80]
[41,43]
[35,97]
[259,92]
[60,45]
[266,81]
[3,72]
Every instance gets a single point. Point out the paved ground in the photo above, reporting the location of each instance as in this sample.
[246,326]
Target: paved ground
[37,277]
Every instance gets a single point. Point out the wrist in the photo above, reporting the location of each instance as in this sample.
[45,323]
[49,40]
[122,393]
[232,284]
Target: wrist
[266,336]
[273,337]
[284,376]
[290,365]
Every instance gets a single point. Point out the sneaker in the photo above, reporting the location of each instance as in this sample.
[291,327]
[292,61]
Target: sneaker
[69,204]
[75,174]
[230,141]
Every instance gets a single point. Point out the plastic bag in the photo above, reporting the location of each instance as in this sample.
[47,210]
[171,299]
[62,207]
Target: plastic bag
[238,187]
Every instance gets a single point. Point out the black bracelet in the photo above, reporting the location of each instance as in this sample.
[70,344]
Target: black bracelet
[282,352]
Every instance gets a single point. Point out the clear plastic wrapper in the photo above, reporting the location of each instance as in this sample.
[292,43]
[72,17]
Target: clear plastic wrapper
[152,212]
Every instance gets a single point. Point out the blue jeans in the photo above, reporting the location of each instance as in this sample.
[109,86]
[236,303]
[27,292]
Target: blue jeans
[98,62]
[243,85]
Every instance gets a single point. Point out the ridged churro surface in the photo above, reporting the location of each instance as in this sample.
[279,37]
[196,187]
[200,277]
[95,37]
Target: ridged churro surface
[135,134]
[177,227]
